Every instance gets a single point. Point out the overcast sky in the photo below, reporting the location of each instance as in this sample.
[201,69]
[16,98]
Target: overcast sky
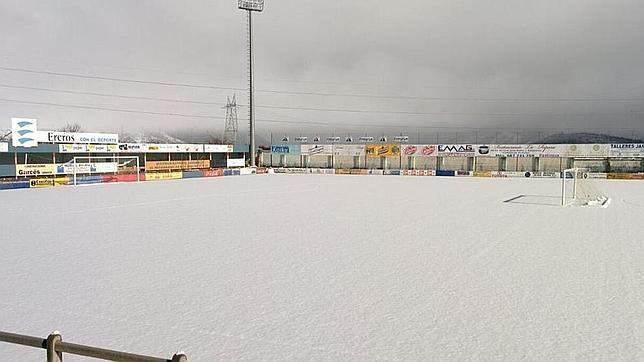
[438,63]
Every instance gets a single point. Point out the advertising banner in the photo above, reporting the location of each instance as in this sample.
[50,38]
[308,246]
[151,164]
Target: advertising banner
[236,162]
[39,169]
[4,147]
[71,148]
[176,165]
[133,147]
[285,149]
[48,182]
[532,150]
[172,148]
[312,150]
[386,150]
[74,137]
[627,150]
[98,167]
[456,150]
[583,151]
[218,148]
[213,173]
[419,150]
[163,175]
[102,148]
[24,132]
[348,150]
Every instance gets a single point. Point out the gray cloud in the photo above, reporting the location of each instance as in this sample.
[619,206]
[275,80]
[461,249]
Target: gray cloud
[468,50]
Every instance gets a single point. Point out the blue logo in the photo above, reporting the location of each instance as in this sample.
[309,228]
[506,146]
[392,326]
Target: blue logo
[24,131]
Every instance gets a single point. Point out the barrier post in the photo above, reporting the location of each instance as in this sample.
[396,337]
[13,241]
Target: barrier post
[52,340]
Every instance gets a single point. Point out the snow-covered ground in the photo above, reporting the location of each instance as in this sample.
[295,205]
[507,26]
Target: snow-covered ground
[326,267]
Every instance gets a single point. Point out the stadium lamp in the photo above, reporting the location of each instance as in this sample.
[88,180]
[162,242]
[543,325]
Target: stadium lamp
[250,6]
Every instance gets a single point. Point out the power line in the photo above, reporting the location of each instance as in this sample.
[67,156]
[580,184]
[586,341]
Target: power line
[296,122]
[331,94]
[112,95]
[109,109]
[137,81]
[341,110]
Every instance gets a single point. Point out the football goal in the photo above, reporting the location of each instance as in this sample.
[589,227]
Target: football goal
[118,166]
[578,189]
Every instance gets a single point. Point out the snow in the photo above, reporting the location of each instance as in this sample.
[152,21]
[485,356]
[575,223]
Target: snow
[326,267]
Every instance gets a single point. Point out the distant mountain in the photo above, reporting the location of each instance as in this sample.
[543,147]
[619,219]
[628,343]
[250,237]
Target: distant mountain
[148,138]
[585,137]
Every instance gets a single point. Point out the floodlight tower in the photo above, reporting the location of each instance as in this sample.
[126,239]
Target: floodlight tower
[250,6]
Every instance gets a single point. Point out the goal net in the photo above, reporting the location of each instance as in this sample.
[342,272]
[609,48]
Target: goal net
[578,189]
[94,169]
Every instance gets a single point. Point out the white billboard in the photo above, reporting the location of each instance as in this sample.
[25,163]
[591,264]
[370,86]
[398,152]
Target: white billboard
[95,167]
[349,150]
[312,150]
[627,150]
[513,150]
[586,151]
[218,148]
[453,150]
[236,162]
[24,132]
[4,147]
[76,137]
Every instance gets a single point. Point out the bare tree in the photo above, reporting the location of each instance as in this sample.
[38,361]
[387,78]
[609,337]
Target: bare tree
[4,135]
[214,139]
[71,127]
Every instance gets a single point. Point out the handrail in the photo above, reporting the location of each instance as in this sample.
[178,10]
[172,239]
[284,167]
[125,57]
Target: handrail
[56,347]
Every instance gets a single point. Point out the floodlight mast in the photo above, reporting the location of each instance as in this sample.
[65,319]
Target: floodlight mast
[250,6]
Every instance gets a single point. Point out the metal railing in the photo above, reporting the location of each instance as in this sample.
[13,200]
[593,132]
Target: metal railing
[55,348]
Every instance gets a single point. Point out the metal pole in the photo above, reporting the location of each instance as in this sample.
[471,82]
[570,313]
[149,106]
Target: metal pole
[251,90]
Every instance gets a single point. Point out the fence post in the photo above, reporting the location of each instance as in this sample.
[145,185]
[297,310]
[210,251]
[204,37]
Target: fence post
[179,357]
[53,339]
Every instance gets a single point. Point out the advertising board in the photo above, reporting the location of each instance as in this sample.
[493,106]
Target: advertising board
[133,147]
[531,150]
[312,150]
[586,151]
[4,147]
[94,167]
[218,148]
[176,165]
[76,137]
[627,150]
[217,172]
[385,150]
[285,149]
[164,175]
[453,150]
[39,169]
[48,182]
[419,150]
[236,162]
[348,150]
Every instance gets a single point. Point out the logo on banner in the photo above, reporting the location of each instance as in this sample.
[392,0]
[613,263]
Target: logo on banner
[349,139]
[428,150]
[484,150]
[455,148]
[409,150]
[23,132]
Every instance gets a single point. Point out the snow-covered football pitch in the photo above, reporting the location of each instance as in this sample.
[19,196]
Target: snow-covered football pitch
[290,267]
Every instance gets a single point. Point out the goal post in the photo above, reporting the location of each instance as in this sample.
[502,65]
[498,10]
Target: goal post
[103,165]
[578,189]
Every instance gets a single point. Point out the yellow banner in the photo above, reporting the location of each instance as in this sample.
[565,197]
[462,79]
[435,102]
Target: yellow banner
[39,169]
[163,175]
[386,150]
[48,182]
[482,173]
[176,165]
